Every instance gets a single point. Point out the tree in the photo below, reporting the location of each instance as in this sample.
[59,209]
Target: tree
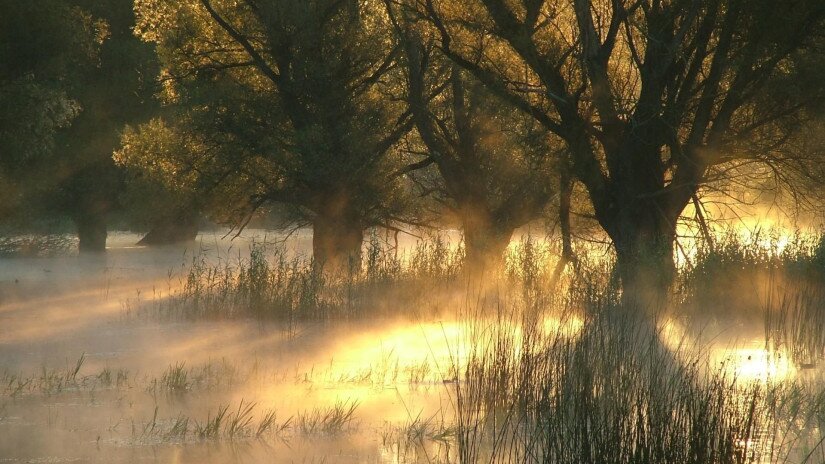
[282,102]
[653,98]
[118,90]
[81,75]
[162,190]
[44,46]
[492,161]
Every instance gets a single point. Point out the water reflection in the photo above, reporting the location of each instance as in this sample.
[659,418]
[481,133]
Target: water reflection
[752,364]
[740,353]
[396,371]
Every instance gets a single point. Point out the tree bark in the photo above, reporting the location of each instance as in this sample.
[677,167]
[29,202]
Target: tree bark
[640,215]
[91,232]
[565,197]
[337,235]
[484,245]
[644,253]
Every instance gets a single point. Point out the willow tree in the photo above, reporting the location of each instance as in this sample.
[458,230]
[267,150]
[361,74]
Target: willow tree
[281,102]
[44,46]
[118,89]
[652,97]
[495,174]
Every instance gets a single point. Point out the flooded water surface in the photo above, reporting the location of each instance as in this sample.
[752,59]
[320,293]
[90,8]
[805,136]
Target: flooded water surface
[87,374]
[86,379]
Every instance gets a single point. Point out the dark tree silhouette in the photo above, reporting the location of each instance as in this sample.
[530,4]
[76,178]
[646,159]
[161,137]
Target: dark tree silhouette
[283,102]
[44,48]
[653,98]
[492,161]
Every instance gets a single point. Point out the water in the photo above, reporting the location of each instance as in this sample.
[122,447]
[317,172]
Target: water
[56,311]
[84,378]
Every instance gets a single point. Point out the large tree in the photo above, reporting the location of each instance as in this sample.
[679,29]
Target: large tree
[44,48]
[495,172]
[653,98]
[280,102]
[117,90]
[74,74]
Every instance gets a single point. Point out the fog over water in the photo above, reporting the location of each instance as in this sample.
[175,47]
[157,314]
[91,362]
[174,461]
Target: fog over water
[88,377]
[56,311]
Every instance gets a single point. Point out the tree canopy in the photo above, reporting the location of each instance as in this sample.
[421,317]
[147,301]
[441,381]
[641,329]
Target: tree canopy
[283,102]
[362,113]
[495,170]
[44,47]
[652,98]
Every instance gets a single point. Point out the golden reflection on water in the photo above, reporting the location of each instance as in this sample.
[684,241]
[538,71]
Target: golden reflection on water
[751,364]
[392,370]
[748,361]
[428,352]
[441,342]
[403,345]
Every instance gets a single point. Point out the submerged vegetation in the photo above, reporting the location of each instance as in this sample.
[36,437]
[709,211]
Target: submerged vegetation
[531,367]
[617,129]
[543,369]
[620,393]
[270,284]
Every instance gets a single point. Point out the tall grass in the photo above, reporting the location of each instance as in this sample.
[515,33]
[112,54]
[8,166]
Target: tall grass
[617,394]
[268,284]
[780,280]
[770,278]
[244,422]
[613,392]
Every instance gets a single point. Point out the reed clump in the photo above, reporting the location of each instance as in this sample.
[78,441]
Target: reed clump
[778,279]
[599,383]
[617,393]
[269,284]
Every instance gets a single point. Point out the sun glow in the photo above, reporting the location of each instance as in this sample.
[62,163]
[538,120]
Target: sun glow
[755,364]
[750,362]
[567,326]
[400,349]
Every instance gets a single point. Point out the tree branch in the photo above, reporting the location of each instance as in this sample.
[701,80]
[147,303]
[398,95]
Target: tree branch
[259,61]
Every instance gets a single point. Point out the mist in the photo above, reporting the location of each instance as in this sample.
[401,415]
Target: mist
[110,357]
[397,231]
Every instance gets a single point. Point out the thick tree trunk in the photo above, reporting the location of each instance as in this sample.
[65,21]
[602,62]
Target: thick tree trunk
[91,232]
[336,241]
[485,248]
[646,265]
[640,216]
[172,229]
[89,193]
[485,241]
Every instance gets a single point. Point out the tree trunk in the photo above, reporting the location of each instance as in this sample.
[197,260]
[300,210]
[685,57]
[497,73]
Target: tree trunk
[640,218]
[644,253]
[565,197]
[485,241]
[172,229]
[91,232]
[337,236]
